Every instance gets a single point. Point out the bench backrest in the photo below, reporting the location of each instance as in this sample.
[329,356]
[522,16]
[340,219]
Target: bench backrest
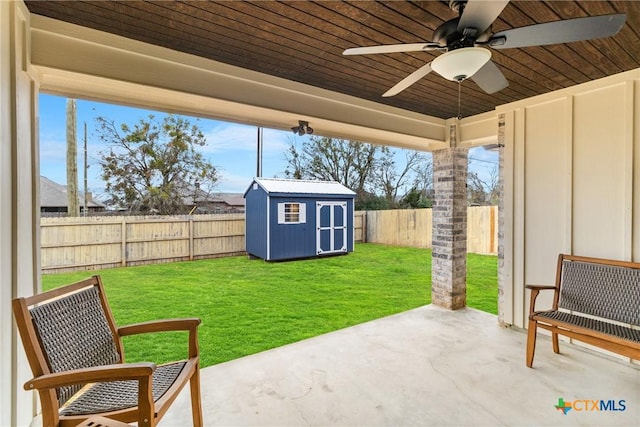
[74,332]
[601,290]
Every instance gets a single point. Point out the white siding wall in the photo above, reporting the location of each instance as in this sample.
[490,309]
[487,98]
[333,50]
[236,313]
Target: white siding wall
[575,159]
[19,216]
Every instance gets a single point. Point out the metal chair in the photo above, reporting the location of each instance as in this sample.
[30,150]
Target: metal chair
[76,355]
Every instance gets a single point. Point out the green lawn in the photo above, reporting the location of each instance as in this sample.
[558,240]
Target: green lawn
[247,306]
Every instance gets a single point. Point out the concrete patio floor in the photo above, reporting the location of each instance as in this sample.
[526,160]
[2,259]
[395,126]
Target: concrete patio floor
[423,367]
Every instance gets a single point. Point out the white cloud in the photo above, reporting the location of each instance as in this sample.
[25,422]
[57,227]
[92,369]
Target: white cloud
[237,137]
[232,183]
[276,140]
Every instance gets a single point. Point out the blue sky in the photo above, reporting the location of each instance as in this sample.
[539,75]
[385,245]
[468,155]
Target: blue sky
[231,147]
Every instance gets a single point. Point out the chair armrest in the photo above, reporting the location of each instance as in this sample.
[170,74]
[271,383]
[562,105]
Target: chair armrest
[535,290]
[163,325]
[105,373]
[142,372]
[166,325]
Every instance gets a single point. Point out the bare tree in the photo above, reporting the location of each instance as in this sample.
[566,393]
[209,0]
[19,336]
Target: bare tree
[392,181]
[347,162]
[421,193]
[481,192]
[493,186]
[370,170]
[295,162]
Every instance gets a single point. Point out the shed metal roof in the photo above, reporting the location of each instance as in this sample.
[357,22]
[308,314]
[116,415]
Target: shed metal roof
[299,186]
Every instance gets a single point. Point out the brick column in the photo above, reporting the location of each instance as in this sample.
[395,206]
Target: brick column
[449,255]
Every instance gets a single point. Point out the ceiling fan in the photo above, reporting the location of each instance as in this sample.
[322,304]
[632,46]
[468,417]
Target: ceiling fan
[465,40]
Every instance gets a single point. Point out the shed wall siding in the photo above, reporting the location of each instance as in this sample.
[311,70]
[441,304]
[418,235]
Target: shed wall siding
[289,241]
[256,223]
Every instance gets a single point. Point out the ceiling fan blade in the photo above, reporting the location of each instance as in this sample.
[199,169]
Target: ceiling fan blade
[480,14]
[566,31]
[409,80]
[490,78]
[391,48]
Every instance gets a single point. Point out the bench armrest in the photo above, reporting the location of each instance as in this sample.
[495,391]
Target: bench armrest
[116,372]
[535,290]
[166,325]
[540,287]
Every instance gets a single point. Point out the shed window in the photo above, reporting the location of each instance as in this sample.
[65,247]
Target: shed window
[292,213]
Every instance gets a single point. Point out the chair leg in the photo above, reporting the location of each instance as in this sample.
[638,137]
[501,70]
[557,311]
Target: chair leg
[196,406]
[50,407]
[531,342]
[554,340]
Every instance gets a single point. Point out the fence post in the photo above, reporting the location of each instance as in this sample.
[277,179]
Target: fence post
[364,227]
[123,233]
[190,238]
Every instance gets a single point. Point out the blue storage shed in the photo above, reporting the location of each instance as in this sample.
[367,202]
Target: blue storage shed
[289,218]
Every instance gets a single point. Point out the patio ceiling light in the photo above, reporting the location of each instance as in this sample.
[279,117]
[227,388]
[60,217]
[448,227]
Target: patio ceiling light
[302,128]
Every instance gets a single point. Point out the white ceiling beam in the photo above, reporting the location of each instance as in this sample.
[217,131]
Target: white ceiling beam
[85,63]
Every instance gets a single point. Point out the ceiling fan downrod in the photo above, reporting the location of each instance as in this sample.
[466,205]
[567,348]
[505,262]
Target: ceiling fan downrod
[457,6]
[459,99]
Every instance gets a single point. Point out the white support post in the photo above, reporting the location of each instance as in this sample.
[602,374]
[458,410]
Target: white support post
[19,204]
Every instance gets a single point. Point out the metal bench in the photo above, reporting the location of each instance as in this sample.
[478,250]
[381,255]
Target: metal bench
[76,354]
[595,300]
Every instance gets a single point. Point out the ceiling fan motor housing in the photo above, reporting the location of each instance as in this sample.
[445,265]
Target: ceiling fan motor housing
[448,35]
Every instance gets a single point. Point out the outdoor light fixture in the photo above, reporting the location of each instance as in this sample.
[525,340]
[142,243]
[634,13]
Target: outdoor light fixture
[457,65]
[302,128]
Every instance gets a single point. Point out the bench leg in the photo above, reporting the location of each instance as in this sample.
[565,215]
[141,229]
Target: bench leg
[554,340]
[531,342]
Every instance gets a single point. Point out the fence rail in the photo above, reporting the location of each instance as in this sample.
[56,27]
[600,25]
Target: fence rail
[73,244]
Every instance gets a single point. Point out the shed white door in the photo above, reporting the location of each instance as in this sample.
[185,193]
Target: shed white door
[331,225]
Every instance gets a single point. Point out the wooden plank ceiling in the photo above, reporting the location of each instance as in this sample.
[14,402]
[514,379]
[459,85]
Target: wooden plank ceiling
[303,41]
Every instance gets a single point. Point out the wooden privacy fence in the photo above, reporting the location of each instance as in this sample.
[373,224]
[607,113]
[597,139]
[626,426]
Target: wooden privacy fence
[71,244]
[74,244]
[412,227]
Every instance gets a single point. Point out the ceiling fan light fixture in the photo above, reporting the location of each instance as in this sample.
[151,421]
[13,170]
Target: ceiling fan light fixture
[457,65]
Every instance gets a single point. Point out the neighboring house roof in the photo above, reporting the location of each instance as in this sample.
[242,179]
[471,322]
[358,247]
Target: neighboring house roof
[231,199]
[300,186]
[192,195]
[53,195]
